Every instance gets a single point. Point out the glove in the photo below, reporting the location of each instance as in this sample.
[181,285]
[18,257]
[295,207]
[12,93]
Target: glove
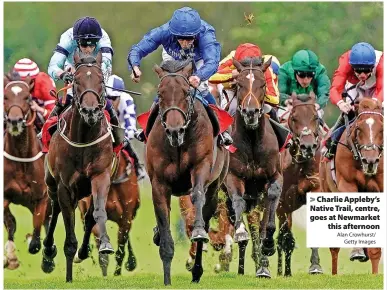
[67,77]
[344,106]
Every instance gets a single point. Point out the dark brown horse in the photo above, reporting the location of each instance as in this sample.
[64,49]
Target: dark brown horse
[254,181]
[359,163]
[121,207]
[23,165]
[182,158]
[220,238]
[79,163]
[300,165]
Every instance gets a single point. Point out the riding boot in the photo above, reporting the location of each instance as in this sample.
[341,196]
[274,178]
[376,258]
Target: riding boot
[140,134]
[58,109]
[331,143]
[283,134]
[118,132]
[139,168]
[225,137]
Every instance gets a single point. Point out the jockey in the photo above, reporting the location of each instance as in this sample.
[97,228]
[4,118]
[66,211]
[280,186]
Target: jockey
[126,111]
[226,73]
[184,36]
[87,36]
[360,74]
[303,74]
[43,102]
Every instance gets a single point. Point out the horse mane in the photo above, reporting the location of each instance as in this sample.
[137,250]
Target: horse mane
[368,104]
[173,66]
[255,61]
[304,98]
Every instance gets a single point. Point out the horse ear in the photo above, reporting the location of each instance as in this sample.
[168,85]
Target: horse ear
[312,95]
[30,82]
[99,58]
[6,80]
[266,64]
[237,64]
[158,70]
[294,95]
[187,71]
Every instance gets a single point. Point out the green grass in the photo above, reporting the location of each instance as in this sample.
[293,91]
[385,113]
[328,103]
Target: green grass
[148,273]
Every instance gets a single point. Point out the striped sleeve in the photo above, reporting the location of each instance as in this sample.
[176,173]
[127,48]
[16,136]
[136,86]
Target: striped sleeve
[129,112]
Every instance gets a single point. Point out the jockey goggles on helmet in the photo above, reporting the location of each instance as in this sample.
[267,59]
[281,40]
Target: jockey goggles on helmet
[88,42]
[363,69]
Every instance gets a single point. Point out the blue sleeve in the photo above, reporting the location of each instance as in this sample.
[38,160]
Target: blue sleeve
[150,42]
[210,50]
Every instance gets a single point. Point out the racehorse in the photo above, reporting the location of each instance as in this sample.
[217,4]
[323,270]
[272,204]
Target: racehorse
[23,165]
[182,158]
[254,181]
[79,163]
[121,207]
[220,238]
[358,163]
[300,165]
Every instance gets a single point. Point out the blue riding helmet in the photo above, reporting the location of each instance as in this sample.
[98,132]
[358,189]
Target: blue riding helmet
[117,83]
[87,28]
[362,54]
[185,22]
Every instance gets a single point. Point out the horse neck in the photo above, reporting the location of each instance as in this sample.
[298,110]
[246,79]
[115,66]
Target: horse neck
[252,137]
[24,145]
[80,131]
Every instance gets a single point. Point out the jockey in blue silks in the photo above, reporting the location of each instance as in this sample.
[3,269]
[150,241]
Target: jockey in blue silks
[185,36]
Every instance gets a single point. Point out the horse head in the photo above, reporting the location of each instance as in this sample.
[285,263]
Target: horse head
[251,89]
[367,134]
[89,90]
[17,101]
[175,100]
[304,123]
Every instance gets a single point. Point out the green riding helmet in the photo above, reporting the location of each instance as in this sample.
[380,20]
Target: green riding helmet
[305,60]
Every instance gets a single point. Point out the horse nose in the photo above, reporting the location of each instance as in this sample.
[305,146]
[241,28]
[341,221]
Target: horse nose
[174,132]
[250,112]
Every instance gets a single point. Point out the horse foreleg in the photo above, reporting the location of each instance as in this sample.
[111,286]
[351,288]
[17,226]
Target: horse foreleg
[10,260]
[162,206]
[131,264]
[280,239]
[89,222]
[315,267]
[39,216]
[49,250]
[67,205]
[273,196]
[236,188]
[335,256]
[374,255]
[100,185]
[123,235]
[187,211]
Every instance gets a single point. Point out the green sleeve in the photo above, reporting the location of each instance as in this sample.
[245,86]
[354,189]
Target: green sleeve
[323,86]
[283,85]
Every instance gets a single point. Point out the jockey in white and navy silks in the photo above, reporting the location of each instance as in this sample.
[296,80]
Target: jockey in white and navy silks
[126,111]
[185,36]
[87,36]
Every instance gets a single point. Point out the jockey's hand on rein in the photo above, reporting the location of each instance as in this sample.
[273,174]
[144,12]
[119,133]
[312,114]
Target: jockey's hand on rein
[344,106]
[136,78]
[67,77]
[194,81]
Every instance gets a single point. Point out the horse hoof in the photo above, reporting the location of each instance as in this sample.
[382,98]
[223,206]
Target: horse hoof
[131,264]
[50,254]
[268,247]
[12,264]
[199,235]
[358,254]
[117,272]
[77,260]
[47,265]
[5,260]
[263,272]
[106,248]
[241,236]
[156,236]
[34,246]
[189,264]
[197,273]
[315,269]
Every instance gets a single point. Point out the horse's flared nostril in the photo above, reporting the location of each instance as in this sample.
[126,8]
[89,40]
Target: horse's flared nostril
[303,147]
[96,110]
[244,110]
[167,131]
[181,131]
[314,147]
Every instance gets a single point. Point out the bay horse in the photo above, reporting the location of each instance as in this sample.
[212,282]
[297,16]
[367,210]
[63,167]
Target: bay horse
[359,163]
[121,207]
[220,238]
[79,163]
[23,165]
[300,165]
[254,180]
[182,158]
